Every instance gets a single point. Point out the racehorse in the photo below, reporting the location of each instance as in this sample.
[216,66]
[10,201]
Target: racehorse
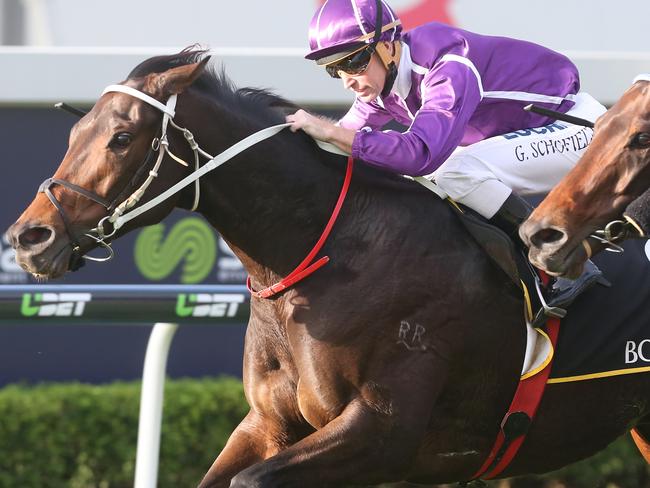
[396,360]
[612,173]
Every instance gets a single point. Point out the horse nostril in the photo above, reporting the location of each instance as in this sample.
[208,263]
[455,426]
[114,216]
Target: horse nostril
[547,236]
[34,235]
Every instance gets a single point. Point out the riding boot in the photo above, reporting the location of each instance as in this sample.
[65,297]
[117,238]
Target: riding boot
[561,292]
[514,211]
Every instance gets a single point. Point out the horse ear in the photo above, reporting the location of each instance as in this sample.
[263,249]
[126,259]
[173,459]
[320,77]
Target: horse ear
[175,80]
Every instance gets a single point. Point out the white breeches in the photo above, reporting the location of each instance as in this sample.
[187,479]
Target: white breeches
[528,161]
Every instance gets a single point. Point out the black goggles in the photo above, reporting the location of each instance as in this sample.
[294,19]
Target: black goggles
[355,64]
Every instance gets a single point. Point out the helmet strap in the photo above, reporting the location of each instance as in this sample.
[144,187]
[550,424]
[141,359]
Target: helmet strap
[390,62]
[378,22]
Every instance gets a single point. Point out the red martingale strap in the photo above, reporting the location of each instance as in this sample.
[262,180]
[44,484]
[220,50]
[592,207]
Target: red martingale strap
[304,269]
[521,413]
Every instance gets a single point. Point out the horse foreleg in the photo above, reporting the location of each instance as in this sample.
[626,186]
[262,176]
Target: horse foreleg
[361,446]
[640,436]
[246,446]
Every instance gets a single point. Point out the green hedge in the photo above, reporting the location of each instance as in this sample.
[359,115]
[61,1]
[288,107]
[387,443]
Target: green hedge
[619,466]
[84,436]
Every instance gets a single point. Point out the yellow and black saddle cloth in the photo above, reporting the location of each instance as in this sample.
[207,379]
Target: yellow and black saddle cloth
[607,330]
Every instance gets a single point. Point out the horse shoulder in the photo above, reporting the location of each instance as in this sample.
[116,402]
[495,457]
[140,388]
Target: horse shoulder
[269,373]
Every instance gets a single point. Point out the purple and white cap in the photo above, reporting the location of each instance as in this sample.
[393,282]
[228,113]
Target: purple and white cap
[341,27]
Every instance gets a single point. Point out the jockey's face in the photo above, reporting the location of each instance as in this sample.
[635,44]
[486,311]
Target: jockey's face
[369,84]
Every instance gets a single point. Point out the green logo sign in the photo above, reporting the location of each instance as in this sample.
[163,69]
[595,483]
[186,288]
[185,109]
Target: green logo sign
[191,244]
[208,304]
[54,304]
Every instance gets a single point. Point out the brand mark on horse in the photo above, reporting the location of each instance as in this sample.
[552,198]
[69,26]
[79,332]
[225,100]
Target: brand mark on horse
[413,342]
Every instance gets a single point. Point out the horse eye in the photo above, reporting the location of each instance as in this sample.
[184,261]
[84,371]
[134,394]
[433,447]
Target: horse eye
[122,139]
[641,140]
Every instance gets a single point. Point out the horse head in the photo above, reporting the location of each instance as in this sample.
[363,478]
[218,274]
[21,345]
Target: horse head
[110,150]
[614,170]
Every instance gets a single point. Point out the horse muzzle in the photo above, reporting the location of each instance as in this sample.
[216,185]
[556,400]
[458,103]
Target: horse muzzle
[551,249]
[40,249]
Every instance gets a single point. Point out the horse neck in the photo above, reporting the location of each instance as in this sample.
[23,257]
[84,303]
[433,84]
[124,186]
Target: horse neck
[271,202]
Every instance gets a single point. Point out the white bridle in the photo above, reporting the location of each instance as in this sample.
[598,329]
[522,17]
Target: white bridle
[121,215]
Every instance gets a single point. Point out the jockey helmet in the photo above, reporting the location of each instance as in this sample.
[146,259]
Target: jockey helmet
[342,27]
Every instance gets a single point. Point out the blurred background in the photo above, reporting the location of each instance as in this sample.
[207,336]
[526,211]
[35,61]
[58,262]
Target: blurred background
[262,43]
[69,50]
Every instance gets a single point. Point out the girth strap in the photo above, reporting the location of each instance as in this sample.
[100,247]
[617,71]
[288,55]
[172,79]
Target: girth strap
[520,414]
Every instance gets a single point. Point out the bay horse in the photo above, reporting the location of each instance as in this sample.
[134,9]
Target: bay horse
[613,172]
[395,361]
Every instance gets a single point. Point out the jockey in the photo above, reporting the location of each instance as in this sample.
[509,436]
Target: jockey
[461,95]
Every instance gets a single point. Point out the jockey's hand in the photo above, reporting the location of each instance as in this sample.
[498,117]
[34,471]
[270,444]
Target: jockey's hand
[321,129]
[316,127]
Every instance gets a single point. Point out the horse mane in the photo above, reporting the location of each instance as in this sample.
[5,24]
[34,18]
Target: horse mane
[252,106]
[260,104]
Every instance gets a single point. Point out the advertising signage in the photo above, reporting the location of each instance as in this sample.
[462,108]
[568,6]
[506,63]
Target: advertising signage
[124,304]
